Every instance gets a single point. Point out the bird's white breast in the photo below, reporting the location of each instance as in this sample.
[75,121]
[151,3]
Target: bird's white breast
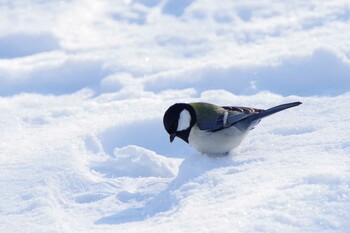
[219,142]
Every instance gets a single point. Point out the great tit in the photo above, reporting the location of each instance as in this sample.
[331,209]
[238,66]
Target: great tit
[212,129]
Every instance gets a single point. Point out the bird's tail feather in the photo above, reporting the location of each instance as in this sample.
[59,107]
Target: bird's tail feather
[273,110]
[251,121]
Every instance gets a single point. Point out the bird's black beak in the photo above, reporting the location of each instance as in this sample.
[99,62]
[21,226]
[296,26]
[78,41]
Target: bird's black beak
[172,137]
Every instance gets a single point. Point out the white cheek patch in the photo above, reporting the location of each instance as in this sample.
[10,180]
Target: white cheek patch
[184,120]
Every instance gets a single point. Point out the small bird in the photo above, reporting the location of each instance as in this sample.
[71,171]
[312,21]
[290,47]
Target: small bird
[212,129]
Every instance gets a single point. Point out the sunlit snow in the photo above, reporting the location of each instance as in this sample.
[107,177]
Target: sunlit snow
[84,85]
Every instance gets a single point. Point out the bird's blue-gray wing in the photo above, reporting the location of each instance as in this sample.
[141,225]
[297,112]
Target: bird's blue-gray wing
[233,116]
[214,118]
[237,115]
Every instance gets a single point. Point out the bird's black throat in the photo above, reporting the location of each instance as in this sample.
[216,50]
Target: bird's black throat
[184,134]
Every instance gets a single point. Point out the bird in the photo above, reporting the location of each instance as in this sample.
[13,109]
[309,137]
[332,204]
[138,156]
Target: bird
[213,129]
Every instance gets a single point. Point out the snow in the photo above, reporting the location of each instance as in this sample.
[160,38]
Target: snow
[133,161]
[84,86]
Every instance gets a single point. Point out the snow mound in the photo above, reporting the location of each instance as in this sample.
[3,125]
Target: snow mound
[134,161]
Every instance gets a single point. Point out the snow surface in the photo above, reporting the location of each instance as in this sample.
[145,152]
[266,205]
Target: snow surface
[84,85]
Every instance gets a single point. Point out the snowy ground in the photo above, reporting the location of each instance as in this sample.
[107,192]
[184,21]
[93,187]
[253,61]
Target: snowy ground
[84,85]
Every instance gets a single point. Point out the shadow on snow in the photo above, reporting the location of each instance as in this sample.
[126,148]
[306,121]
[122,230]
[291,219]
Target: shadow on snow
[167,201]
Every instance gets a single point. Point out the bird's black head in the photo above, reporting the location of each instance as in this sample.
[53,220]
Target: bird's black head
[178,121]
